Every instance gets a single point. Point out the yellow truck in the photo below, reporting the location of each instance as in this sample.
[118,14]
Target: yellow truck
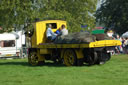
[96,52]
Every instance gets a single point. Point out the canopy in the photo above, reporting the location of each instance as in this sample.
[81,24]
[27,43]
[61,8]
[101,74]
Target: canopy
[8,36]
[125,34]
[98,31]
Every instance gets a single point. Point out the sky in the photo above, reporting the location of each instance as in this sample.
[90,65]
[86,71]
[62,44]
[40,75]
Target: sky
[99,3]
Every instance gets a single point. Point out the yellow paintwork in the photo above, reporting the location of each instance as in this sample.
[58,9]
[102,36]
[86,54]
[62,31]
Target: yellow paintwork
[40,57]
[105,43]
[45,51]
[79,53]
[33,38]
[39,35]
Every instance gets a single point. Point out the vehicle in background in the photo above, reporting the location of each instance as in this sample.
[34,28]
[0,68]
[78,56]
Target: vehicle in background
[12,45]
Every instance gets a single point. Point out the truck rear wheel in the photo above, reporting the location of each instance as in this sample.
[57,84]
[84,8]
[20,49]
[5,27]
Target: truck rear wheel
[33,58]
[70,58]
[103,57]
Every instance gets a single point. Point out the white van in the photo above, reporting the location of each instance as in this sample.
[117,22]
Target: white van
[11,44]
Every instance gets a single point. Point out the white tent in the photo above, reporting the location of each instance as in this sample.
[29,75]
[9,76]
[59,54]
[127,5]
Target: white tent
[125,34]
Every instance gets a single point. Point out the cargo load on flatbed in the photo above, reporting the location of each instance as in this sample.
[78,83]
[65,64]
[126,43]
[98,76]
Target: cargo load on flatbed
[75,38]
[80,38]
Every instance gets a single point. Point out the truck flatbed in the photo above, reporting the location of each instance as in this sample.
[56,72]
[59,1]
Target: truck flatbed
[101,43]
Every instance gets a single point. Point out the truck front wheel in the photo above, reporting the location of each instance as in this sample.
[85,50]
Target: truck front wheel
[33,58]
[70,58]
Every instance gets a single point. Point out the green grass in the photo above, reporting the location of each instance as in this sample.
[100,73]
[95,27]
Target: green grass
[18,72]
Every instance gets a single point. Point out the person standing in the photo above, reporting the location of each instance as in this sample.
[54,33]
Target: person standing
[126,45]
[123,45]
[119,48]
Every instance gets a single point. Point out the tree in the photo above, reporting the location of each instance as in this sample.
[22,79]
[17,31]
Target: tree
[15,13]
[113,13]
[75,12]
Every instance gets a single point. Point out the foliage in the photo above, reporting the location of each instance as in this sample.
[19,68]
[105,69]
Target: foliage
[23,12]
[75,12]
[18,72]
[113,13]
[14,13]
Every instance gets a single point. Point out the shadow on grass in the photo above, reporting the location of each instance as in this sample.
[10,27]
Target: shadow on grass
[49,64]
[14,63]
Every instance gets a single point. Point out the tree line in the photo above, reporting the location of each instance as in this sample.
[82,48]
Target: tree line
[14,13]
[113,13]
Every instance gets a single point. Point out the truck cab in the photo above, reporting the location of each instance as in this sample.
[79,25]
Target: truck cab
[39,34]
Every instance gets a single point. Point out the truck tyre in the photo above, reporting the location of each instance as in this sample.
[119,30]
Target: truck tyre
[90,56]
[33,58]
[93,58]
[70,58]
[103,57]
[108,56]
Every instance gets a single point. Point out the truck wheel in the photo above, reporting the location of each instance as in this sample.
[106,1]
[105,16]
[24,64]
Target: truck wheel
[33,58]
[90,57]
[70,58]
[95,58]
[108,56]
[103,57]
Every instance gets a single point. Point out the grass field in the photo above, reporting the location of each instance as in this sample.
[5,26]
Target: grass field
[18,72]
